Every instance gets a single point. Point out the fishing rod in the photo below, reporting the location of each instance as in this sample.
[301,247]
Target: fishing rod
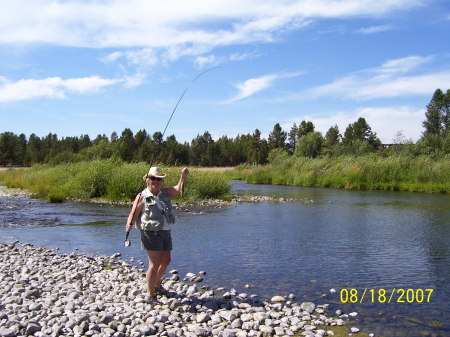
[127,241]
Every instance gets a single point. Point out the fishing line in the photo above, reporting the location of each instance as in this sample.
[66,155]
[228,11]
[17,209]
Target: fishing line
[127,242]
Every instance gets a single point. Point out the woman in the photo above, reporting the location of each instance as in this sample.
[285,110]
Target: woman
[152,213]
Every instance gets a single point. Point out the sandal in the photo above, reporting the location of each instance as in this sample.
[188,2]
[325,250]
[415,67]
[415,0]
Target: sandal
[150,298]
[161,290]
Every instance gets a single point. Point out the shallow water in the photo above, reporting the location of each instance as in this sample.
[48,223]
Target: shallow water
[324,239]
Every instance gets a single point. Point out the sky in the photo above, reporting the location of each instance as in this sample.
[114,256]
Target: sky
[94,67]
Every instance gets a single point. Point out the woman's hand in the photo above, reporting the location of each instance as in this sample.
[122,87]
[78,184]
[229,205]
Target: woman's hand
[184,172]
[128,227]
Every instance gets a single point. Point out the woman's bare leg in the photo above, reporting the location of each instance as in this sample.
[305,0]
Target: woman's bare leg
[154,263]
[164,262]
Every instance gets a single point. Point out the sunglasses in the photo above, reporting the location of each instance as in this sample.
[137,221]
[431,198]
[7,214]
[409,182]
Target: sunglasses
[156,178]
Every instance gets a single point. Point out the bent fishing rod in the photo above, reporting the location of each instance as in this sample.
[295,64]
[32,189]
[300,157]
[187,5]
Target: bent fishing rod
[127,241]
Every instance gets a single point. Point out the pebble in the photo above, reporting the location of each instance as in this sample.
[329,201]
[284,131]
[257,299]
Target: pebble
[308,307]
[278,299]
[45,293]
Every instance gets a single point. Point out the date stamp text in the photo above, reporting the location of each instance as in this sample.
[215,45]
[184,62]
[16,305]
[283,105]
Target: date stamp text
[396,295]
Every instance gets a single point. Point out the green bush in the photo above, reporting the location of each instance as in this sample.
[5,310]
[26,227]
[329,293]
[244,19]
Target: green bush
[125,182]
[109,179]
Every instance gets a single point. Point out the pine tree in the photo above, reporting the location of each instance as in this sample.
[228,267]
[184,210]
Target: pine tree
[304,128]
[292,137]
[446,113]
[125,147]
[332,136]
[361,131]
[433,122]
[277,138]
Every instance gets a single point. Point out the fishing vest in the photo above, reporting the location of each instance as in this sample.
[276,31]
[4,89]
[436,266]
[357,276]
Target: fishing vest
[157,212]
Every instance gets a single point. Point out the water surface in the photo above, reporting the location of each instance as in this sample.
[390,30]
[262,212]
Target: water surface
[323,239]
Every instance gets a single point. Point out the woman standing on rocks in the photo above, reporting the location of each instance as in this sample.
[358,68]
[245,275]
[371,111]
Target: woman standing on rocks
[152,213]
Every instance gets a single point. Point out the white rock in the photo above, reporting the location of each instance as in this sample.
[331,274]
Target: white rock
[308,307]
[246,317]
[266,329]
[6,332]
[309,327]
[241,334]
[203,317]
[247,325]
[340,322]
[236,324]
[230,332]
[278,299]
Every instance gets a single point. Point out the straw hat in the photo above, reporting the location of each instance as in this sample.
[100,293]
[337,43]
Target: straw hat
[155,172]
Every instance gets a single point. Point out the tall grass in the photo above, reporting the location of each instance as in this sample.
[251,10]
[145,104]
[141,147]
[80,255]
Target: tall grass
[111,180]
[369,172]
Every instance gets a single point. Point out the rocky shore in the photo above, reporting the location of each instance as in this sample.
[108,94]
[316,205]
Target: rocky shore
[44,293]
[193,208]
[6,192]
[216,203]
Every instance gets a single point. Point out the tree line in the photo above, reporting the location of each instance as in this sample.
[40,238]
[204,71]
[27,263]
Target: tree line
[203,150]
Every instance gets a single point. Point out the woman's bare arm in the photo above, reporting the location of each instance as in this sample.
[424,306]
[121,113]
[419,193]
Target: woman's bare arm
[135,212]
[177,189]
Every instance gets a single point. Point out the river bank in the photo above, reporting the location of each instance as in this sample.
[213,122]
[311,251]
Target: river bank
[179,205]
[369,172]
[44,293]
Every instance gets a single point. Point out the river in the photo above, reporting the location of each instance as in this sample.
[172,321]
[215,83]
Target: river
[317,240]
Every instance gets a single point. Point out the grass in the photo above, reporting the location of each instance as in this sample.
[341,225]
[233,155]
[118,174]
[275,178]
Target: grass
[110,180]
[369,172]
[114,180]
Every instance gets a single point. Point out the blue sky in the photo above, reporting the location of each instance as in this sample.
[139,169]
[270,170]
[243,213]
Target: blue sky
[94,67]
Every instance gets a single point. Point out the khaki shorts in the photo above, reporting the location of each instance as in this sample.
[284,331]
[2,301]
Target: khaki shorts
[156,240]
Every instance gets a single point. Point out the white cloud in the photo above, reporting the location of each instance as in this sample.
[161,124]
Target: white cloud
[254,85]
[357,88]
[374,29]
[210,60]
[163,24]
[85,85]
[52,87]
[384,82]
[385,121]
[404,64]
[135,80]
[243,56]
[159,32]
[145,57]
